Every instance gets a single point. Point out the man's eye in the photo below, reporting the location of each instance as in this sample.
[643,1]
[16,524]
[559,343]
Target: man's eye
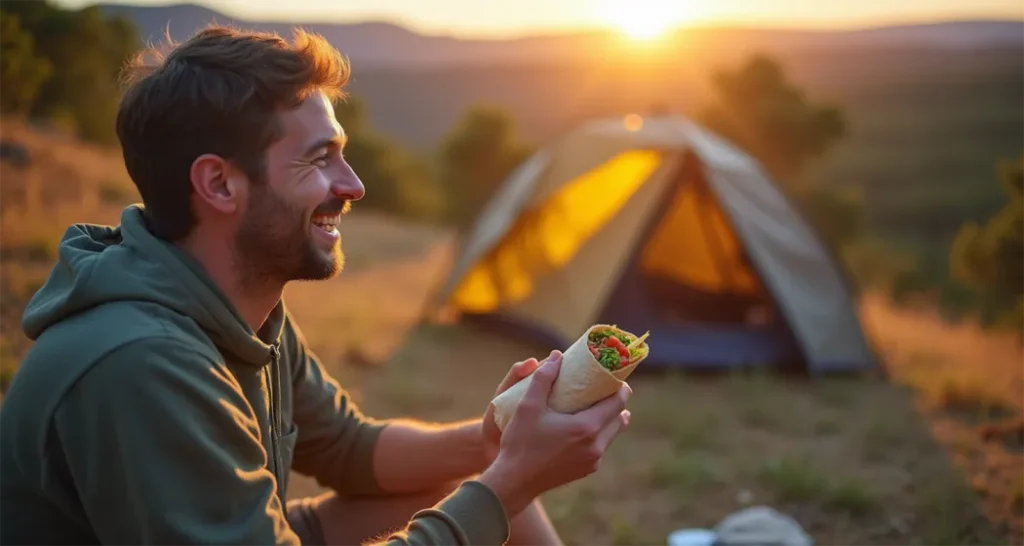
[321,161]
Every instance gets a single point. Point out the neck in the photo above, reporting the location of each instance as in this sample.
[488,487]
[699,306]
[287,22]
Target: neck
[254,302]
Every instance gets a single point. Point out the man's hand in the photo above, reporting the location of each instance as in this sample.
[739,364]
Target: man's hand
[541,449]
[491,433]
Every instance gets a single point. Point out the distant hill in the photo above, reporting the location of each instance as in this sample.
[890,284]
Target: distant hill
[376,43]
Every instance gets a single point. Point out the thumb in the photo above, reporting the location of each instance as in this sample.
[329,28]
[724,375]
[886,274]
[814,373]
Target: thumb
[543,378]
[490,427]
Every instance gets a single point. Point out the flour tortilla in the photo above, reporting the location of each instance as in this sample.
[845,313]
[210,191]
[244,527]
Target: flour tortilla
[581,382]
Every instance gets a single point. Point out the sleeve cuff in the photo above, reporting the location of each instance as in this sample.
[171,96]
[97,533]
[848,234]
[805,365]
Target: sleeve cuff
[476,513]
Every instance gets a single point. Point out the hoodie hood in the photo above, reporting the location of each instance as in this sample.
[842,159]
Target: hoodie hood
[99,264]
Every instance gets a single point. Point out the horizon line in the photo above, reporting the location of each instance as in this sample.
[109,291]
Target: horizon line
[569,30]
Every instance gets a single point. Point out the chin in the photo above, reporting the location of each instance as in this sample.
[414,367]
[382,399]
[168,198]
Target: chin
[321,265]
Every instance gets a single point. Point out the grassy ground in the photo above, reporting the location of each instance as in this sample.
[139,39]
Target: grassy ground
[859,461]
[855,461]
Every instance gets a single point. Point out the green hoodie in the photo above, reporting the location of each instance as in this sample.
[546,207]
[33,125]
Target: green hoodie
[148,411]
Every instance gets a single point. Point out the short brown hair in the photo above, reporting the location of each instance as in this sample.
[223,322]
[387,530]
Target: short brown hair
[219,92]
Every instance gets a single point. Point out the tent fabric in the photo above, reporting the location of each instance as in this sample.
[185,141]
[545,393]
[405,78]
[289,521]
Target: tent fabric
[548,237]
[576,219]
[695,227]
[566,300]
[804,280]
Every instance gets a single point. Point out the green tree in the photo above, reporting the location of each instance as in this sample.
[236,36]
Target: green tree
[395,181]
[835,212]
[22,71]
[759,109]
[990,257]
[86,51]
[477,155]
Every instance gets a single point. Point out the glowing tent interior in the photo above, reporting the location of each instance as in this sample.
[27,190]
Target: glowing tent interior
[657,224]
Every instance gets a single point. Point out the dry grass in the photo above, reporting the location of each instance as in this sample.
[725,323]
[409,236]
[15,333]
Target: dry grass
[970,384]
[855,461]
[63,184]
[961,367]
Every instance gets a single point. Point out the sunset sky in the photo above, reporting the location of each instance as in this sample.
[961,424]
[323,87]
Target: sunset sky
[510,17]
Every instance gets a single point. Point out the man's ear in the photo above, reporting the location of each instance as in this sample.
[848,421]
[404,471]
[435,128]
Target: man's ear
[216,183]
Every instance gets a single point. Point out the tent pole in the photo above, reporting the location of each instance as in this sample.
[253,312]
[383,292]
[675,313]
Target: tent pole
[711,238]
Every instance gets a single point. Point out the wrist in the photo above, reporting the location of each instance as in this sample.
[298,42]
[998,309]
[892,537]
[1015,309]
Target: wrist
[477,439]
[506,487]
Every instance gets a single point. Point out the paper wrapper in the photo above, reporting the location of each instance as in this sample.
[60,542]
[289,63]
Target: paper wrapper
[581,382]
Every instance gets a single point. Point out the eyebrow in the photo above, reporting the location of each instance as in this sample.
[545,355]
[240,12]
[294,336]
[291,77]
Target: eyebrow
[337,141]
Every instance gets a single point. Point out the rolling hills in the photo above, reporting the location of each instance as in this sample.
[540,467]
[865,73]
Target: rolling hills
[931,107]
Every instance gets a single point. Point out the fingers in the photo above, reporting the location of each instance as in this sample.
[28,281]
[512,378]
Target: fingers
[611,430]
[523,370]
[490,428]
[517,373]
[540,387]
[609,408]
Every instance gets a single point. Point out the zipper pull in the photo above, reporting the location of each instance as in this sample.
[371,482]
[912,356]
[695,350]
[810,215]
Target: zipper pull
[275,370]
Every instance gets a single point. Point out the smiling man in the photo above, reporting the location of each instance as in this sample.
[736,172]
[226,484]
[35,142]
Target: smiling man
[169,392]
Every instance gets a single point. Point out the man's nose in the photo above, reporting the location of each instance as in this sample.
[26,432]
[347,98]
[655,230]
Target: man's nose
[347,185]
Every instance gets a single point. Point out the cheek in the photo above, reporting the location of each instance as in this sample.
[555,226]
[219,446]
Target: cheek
[311,186]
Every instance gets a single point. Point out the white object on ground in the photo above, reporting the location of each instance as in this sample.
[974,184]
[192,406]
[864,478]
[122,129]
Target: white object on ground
[761,525]
[758,525]
[691,537]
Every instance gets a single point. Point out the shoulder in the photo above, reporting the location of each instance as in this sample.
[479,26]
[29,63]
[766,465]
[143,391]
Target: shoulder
[93,334]
[127,343]
[159,380]
[154,356]
[158,372]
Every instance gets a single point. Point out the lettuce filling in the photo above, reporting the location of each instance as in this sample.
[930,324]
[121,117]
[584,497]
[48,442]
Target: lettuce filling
[613,356]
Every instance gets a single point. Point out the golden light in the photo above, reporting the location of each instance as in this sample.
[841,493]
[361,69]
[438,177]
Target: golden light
[633,122]
[646,19]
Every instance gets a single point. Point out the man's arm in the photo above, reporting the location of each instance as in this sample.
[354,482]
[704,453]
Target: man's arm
[354,454]
[163,447]
[336,441]
[413,456]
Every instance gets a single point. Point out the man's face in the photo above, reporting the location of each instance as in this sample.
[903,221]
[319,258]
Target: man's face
[288,231]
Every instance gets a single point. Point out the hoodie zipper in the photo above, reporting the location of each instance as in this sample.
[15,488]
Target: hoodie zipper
[273,383]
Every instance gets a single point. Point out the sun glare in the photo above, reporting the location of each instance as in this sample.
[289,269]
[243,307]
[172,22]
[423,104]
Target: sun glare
[645,19]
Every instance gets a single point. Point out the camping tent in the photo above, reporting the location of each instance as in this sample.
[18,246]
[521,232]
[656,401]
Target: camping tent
[657,224]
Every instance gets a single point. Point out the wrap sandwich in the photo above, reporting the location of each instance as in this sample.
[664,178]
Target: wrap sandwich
[593,368]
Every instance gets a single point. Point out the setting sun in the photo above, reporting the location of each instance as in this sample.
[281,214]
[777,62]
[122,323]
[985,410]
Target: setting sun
[645,19]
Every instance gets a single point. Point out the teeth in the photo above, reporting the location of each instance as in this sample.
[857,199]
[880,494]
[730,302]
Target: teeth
[327,220]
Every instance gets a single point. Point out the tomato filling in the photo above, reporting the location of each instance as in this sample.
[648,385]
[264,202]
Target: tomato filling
[612,349]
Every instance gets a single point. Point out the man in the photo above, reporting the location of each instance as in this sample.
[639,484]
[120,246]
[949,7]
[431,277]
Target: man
[169,392]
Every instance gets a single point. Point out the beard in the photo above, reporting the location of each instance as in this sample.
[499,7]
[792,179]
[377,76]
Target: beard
[274,244]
